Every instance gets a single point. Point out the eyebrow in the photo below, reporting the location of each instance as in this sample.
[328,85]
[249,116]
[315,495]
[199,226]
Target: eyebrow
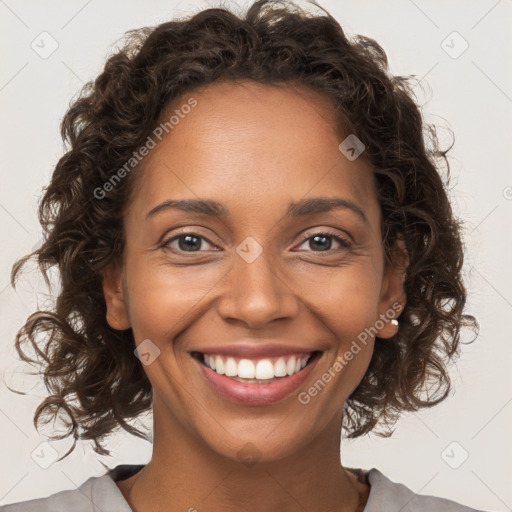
[300,208]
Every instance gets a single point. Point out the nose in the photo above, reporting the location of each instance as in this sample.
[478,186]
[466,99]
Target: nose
[256,293]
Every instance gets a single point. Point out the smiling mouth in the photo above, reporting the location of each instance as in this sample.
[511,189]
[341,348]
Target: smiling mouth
[257,371]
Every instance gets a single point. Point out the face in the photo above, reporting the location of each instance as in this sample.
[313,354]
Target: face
[266,272]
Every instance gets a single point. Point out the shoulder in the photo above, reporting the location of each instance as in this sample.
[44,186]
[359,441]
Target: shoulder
[75,499]
[391,496]
[97,494]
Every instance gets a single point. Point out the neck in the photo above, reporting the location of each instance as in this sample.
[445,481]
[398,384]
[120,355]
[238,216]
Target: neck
[186,474]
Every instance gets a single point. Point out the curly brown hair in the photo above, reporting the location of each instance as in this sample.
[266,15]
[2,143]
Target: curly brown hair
[89,368]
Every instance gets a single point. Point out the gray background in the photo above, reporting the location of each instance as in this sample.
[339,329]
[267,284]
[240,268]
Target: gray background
[473,92]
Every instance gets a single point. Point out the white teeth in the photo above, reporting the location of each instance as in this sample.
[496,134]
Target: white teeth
[246,369]
[231,367]
[290,366]
[280,368]
[219,365]
[262,371]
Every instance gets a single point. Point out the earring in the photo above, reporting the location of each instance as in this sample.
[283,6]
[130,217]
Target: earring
[389,329]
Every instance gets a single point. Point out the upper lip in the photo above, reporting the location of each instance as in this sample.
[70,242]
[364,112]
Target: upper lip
[259,350]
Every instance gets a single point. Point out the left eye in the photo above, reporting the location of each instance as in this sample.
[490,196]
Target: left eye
[323,241]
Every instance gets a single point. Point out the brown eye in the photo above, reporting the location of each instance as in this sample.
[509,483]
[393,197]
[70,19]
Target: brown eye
[186,242]
[323,242]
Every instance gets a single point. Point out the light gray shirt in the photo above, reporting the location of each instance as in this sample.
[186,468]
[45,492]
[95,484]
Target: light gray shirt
[101,494]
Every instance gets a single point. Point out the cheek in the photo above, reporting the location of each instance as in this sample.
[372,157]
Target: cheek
[344,299]
[345,302]
[163,300]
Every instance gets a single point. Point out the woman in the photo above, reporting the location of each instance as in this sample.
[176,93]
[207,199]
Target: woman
[255,243]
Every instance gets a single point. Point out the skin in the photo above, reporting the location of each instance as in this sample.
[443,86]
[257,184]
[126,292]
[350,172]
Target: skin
[254,148]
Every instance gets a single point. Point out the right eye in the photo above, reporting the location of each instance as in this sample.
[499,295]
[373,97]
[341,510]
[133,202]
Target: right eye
[186,242]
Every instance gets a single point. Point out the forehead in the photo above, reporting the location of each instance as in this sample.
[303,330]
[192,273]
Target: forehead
[249,141]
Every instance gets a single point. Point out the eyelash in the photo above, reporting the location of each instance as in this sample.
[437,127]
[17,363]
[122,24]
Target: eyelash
[345,244]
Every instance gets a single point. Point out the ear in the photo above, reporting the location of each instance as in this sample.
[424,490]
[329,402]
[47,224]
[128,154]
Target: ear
[117,310]
[393,299]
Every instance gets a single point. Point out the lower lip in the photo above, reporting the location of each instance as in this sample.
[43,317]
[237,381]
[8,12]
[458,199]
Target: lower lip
[253,393]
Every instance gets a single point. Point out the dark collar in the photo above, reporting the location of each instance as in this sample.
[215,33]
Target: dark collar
[124,471]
